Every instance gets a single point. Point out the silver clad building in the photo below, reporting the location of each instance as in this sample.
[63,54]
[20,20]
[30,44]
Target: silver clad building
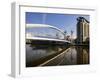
[82,30]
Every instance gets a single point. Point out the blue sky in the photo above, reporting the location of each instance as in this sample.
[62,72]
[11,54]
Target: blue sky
[65,22]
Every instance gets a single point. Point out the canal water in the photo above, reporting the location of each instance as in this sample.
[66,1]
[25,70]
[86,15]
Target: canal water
[74,55]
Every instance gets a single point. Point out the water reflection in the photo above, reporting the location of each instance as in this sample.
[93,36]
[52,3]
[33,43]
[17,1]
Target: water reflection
[70,57]
[82,55]
[77,55]
[34,53]
[73,55]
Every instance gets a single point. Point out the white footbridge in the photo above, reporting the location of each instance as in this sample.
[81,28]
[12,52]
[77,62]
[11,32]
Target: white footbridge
[30,26]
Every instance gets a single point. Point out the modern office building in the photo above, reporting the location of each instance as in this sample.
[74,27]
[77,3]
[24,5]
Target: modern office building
[82,30]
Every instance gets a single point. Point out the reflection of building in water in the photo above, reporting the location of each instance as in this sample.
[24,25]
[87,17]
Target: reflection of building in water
[82,56]
[82,30]
[85,57]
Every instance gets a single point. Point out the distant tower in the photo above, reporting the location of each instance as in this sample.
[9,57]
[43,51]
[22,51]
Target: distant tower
[82,29]
[71,36]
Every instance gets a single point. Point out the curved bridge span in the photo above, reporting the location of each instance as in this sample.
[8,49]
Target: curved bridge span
[45,37]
